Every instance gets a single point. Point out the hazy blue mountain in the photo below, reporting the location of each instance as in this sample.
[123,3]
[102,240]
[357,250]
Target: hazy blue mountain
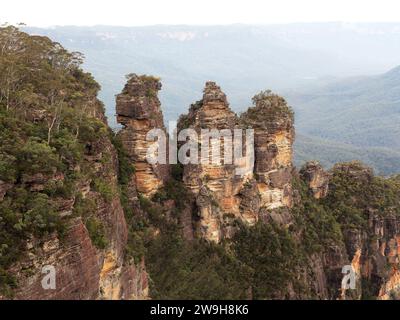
[385,161]
[364,112]
[361,114]
[341,118]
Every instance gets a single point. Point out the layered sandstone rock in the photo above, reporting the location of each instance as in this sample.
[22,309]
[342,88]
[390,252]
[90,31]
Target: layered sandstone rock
[82,269]
[316,178]
[212,181]
[229,191]
[273,123]
[139,111]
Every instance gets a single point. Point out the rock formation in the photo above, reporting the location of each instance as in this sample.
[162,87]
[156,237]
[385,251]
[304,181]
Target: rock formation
[317,179]
[84,271]
[224,195]
[374,249]
[139,111]
[86,203]
[273,123]
[213,182]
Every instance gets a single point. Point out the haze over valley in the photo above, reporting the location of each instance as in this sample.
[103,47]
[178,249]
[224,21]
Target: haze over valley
[302,62]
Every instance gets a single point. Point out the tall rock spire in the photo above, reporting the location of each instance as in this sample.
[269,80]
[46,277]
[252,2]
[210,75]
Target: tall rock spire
[139,111]
[273,123]
[217,187]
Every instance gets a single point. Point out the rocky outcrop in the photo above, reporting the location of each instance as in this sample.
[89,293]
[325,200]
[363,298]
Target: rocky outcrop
[371,247]
[374,257]
[83,268]
[139,111]
[223,194]
[273,123]
[212,181]
[316,178]
[349,225]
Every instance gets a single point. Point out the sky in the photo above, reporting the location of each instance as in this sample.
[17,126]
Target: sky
[45,13]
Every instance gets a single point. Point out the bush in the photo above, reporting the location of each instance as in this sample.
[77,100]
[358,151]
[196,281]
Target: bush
[38,157]
[195,270]
[103,188]
[96,232]
[272,254]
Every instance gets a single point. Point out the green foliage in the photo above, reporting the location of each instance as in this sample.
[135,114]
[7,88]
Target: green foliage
[125,168]
[96,232]
[38,157]
[138,231]
[355,191]
[84,207]
[7,168]
[272,254]
[24,214]
[317,225]
[69,149]
[173,190]
[177,171]
[106,191]
[195,270]
[268,110]
[91,130]
[49,115]
[151,93]
[7,283]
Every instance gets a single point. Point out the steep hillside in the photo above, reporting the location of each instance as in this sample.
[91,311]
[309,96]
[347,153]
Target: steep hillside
[59,180]
[270,233]
[78,198]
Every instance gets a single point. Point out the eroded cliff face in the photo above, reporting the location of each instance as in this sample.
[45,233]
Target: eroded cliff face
[88,251]
[139,111]
[213,182]
[83,269]
[370,229]
[316,178]
[273,123]
[335,219]
[240,190]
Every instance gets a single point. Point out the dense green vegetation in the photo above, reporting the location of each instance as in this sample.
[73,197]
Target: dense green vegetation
[195,270]
[358,193]
[274,108]
[48,117]
[259,262]
[266,261]
[273,256]
[319,228]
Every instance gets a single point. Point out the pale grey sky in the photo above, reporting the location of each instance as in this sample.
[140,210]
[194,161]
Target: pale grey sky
[148,12]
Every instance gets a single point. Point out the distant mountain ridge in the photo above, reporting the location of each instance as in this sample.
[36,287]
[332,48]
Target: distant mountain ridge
[344,118]
[357,117]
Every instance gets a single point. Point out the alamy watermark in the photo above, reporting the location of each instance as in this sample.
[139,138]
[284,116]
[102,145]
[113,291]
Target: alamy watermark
[49,280]
[349,278]
[207,147]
